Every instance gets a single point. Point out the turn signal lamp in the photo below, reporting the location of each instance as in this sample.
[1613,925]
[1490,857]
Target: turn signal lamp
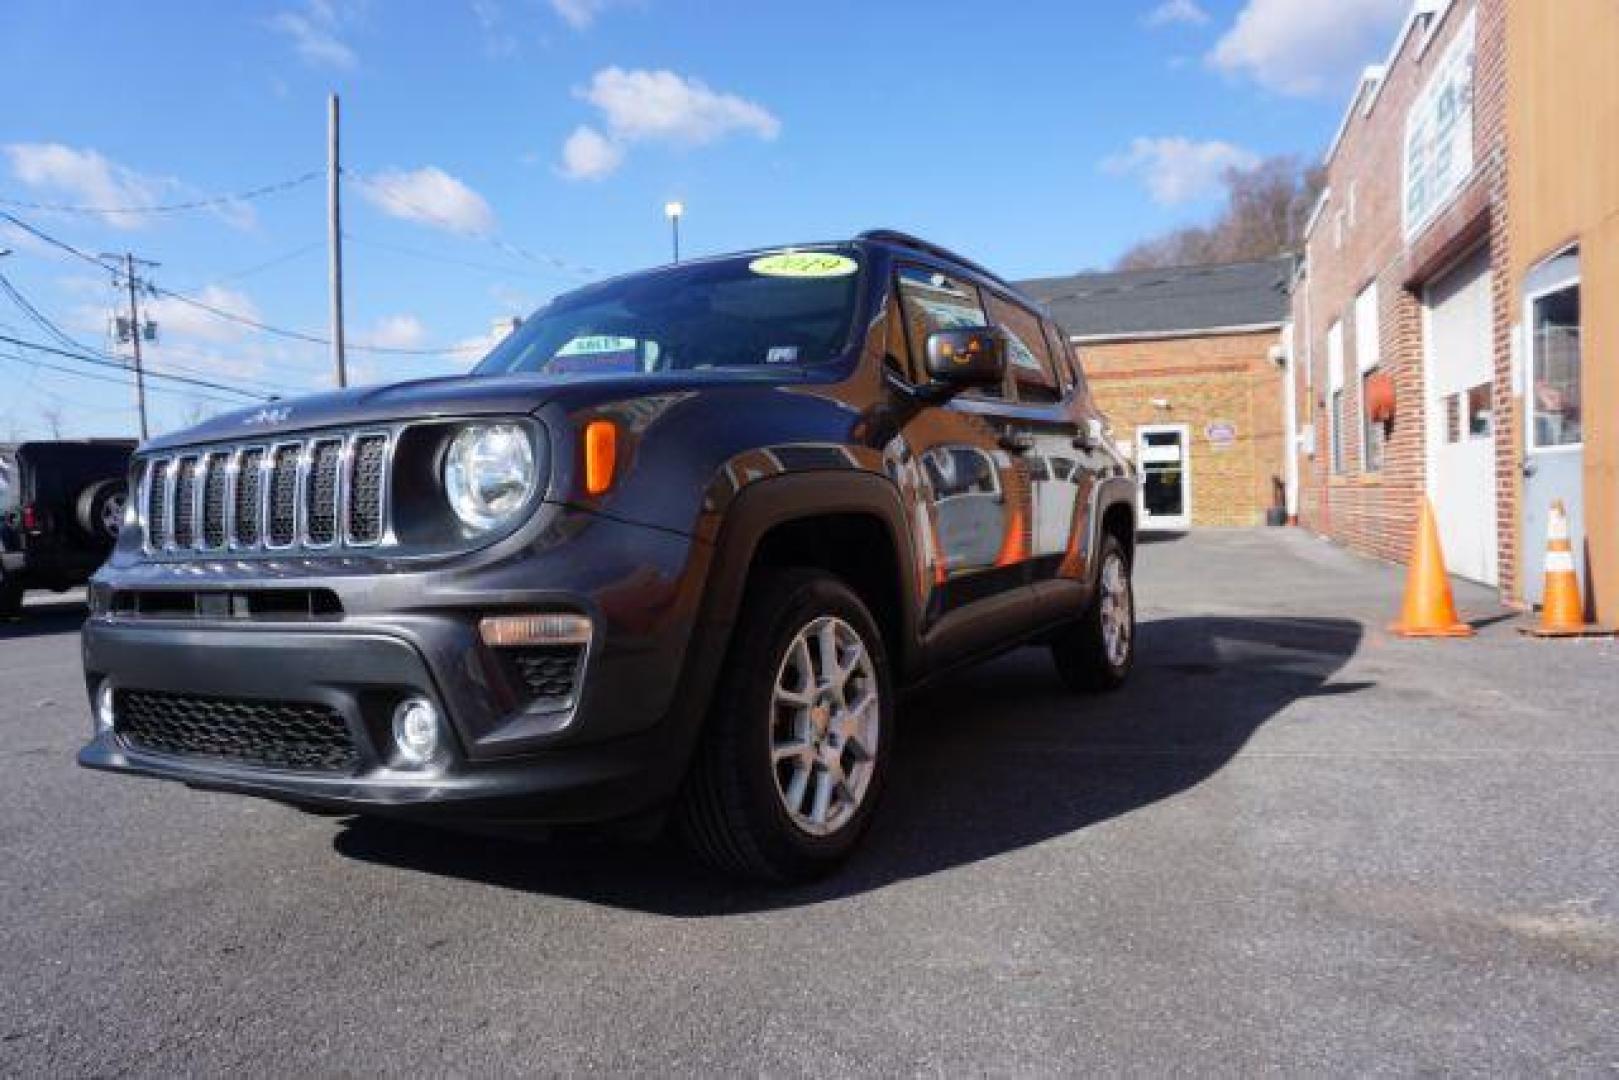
[517,631]
[601,456]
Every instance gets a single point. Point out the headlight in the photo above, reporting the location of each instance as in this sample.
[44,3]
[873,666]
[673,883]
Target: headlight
[489,474]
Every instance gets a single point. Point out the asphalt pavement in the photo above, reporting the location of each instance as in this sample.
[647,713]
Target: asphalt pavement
[1293,843]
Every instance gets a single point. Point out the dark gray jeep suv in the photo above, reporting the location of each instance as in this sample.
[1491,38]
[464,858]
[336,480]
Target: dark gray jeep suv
[671,550]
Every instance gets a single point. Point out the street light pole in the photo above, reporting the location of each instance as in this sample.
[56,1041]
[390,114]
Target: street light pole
[673,210]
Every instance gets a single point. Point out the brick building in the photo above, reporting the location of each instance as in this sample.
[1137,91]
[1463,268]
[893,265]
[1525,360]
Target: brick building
[1563,190]
[1186,363]
[1400,358]
[1455,321]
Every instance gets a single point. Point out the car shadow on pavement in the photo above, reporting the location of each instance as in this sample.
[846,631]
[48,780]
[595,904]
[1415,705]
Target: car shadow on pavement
[991,761]
[41,620]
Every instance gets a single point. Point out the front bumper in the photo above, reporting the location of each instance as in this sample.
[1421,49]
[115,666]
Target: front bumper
[360,676]
[618,748]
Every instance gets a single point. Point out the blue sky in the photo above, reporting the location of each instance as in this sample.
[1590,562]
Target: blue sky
[500,151]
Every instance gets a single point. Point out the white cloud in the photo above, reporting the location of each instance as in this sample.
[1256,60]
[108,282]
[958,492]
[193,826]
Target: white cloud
[1179,170]
[662,105]
[430,196]
[316,34]
[1307,48]
[395,332]
[85,177]
[177,319]
[580,13]
[587,154]
[1177,13]
[656,106]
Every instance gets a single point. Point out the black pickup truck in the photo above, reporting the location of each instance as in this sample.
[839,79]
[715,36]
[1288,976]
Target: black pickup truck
[670,552]
[61,507]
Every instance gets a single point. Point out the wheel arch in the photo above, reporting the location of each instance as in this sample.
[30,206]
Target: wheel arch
[846,522]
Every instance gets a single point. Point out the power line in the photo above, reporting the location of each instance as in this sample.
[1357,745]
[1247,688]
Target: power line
[260,267]
[432,257]
[97,377]
[303,335]
[88,358]
[231,316]
[205,203]
[35,314]
[61,245]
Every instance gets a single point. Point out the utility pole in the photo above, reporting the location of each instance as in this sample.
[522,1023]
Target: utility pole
[135,327]
[334,241]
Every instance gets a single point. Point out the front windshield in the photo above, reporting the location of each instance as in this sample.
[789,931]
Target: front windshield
[780,309]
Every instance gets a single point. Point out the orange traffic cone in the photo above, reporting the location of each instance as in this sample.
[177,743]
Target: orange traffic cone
[1430,609]
[1562,611]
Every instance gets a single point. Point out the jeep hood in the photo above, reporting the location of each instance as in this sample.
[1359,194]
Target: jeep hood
[449,396]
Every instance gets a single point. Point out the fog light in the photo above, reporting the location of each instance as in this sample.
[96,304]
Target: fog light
[417,732]
[105,713]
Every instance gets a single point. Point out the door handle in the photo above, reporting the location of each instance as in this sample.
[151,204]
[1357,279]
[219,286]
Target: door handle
[1016,444]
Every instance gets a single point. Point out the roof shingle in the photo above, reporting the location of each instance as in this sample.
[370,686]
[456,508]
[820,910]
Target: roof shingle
[1161,301]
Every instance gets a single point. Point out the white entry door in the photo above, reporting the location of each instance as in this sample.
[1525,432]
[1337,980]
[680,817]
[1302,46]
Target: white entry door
[1164,454]
[1460,370]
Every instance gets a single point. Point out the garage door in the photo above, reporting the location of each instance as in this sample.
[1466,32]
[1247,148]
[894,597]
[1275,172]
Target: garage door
[1461,417]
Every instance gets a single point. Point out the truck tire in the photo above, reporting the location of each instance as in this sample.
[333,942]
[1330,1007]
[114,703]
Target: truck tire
[1095,653]
[100,509]
[796,749]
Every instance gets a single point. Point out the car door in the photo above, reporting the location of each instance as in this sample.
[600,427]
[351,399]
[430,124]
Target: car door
[968,494]
[1044,429]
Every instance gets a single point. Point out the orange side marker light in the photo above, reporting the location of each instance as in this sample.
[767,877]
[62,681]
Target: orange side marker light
[601,456]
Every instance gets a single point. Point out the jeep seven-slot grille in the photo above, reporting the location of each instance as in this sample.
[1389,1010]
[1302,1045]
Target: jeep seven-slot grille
[213,500]
[275,734]
[326,491]
[366,487]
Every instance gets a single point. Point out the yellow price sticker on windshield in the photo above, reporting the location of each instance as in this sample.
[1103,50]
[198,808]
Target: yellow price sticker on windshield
[804,264]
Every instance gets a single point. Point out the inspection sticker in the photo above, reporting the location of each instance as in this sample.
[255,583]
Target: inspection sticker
[804,264]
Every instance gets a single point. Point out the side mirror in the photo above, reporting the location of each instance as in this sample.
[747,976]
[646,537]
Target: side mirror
[966,357]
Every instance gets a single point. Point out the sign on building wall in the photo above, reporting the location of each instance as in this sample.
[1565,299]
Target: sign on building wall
[1439,134]
[1222,434]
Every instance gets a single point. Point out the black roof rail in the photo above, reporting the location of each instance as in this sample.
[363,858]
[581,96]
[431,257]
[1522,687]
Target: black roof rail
[916,243]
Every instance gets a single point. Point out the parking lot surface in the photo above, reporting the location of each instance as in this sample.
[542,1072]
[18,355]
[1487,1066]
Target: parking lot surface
[1292,843]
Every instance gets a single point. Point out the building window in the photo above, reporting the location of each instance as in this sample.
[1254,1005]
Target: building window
[1335,396]
[1368,358]
[1555,325]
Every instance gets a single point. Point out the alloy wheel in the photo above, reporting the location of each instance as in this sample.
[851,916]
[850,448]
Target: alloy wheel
[1118,616]
[826,717]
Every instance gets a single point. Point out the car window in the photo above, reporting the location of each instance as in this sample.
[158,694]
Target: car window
[933,301]
[1027,355]
[1063,355]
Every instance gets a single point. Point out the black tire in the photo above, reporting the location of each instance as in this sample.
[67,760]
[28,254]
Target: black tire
[1081,651]
[91,511]
[732,812]
[10,599]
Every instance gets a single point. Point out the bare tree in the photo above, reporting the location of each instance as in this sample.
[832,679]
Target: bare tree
[52,415]
[1265,212]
